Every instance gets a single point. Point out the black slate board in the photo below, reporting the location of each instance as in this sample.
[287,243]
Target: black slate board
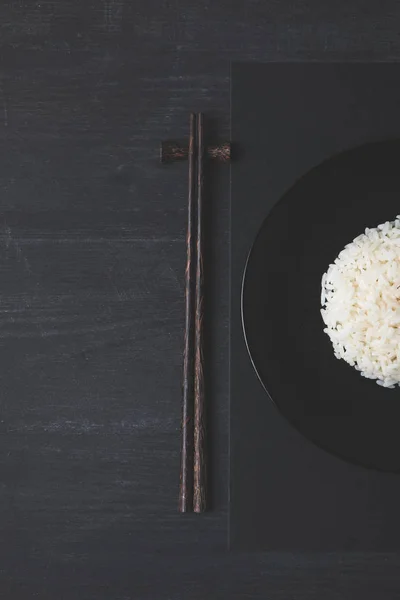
[285,493]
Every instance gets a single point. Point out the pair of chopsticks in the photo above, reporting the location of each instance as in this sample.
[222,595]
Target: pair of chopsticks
[193,475]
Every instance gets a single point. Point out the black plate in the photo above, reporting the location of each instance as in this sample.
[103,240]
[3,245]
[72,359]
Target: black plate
[324,398]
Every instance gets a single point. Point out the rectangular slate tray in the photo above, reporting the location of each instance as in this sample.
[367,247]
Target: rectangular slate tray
[285,493]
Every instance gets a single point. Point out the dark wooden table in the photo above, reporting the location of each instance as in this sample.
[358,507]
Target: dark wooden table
[92,237]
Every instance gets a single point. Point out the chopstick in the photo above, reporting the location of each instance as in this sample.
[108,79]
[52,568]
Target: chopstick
[200,457]
[187,438]
[193,475]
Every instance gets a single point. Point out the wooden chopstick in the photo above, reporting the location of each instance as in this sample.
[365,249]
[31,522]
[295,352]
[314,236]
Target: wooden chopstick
[186,473]
[200,457]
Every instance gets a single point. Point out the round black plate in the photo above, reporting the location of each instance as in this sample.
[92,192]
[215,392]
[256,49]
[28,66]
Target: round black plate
[324,398]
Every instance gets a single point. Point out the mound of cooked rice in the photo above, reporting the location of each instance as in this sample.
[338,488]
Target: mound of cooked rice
[361,303]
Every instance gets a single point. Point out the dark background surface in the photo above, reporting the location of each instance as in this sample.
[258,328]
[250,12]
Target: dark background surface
[92,240]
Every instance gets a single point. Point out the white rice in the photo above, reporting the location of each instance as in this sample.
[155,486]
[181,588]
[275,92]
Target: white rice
[361,303]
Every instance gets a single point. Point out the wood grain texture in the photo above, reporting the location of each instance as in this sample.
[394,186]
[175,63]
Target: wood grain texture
[200,425]
[92,237]
[173,151]
[185,503]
